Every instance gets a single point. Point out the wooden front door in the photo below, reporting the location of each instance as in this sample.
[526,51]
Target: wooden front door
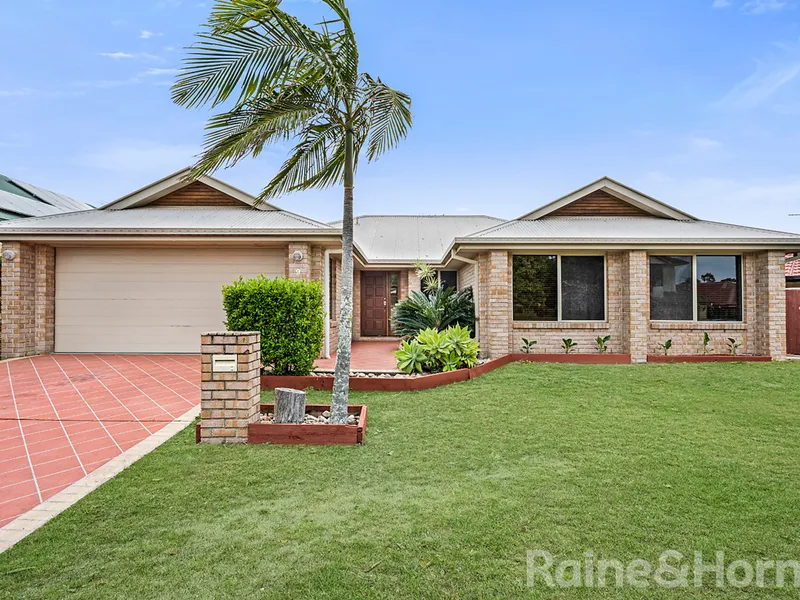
[374,303]
[793,321]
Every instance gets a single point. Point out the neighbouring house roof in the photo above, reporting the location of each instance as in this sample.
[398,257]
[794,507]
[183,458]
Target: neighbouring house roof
[411,238]
[628,230]
[21,199]
[169,220]
[792,266]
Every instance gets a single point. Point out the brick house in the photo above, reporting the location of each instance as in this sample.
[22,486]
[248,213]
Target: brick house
[143,273]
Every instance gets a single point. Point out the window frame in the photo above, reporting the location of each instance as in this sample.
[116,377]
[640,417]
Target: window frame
[694,319]
[559,315]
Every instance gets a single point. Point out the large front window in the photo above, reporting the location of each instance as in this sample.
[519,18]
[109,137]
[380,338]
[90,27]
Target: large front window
[699,288]
[559,288]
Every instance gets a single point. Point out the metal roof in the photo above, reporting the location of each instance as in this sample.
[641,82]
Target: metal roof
[28,200]
[24,206]
[627,229]
[159,220]
[412,238]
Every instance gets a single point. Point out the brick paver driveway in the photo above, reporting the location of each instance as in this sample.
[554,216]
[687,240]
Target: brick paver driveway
[63,416]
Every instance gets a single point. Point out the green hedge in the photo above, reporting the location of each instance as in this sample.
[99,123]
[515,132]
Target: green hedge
[288,314]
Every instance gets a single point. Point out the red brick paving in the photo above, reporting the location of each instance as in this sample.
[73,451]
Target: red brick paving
[63,416]
[366,356]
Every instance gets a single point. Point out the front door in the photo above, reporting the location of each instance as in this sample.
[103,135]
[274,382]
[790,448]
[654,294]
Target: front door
[374,303]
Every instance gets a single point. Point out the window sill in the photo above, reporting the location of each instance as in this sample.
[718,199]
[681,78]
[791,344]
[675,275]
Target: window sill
[561,325]
[698,325]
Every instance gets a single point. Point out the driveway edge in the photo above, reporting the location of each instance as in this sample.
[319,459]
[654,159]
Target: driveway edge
[32,520]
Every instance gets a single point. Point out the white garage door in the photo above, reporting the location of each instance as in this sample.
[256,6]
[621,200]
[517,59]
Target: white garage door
[148,299]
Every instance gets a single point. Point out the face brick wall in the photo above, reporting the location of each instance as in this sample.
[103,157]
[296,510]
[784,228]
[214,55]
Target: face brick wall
[28,300]
[762,331]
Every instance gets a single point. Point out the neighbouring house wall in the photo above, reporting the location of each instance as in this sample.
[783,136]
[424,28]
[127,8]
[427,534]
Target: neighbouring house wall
[762,330]
[28,300]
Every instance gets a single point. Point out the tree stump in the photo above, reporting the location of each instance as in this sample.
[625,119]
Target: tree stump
[290,405]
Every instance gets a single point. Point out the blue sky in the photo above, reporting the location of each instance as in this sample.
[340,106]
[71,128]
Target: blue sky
[695,102]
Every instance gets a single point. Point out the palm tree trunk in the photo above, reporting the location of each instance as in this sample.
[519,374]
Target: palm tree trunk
[341,376]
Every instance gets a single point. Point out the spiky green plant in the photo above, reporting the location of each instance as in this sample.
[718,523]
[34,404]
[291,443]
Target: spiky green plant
[281,80]
[439,309]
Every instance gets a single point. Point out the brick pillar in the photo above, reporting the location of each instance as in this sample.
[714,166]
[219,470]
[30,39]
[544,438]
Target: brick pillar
[414,284]
[403,283]
[771,305]
[495,303]
[18,301]
[229,396]
[45,299]
[638,297]
[299,269]
[317,260]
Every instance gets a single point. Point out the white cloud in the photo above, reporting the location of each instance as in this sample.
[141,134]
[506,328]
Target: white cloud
[760,7]
[117,55]
[760,86]
[16,93]
[721,4]
[155,159]
[146,34]
[158,72]
[704,143]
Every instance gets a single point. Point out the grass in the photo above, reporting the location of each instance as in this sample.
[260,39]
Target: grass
[451,488]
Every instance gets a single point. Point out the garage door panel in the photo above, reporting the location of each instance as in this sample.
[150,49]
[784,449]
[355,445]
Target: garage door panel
[148,300]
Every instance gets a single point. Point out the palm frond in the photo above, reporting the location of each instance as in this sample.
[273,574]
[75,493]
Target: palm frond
[244,130]
[249,45]
[389,114]
[317,161]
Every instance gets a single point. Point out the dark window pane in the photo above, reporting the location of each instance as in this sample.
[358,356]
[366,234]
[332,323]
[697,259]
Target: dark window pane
[719,295]
[535,288]
[583,288]
[449,279]
[671,288]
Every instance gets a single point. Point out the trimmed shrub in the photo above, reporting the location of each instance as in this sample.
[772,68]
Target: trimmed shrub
[288,314]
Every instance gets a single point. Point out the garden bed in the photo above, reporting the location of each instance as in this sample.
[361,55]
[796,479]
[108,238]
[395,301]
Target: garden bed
[433,380]
[315,434]
[705,358]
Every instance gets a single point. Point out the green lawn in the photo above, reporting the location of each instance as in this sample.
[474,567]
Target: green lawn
[451,488]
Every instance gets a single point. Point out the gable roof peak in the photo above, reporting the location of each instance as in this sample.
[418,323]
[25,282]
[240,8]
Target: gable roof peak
[618,190]
[176,181]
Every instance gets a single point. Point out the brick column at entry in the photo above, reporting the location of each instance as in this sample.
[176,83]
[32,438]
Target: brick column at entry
[230,385]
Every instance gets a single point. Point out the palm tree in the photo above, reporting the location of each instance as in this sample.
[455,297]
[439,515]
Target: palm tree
[282,80]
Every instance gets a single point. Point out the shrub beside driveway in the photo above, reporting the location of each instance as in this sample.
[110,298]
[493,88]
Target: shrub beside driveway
[451,488]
